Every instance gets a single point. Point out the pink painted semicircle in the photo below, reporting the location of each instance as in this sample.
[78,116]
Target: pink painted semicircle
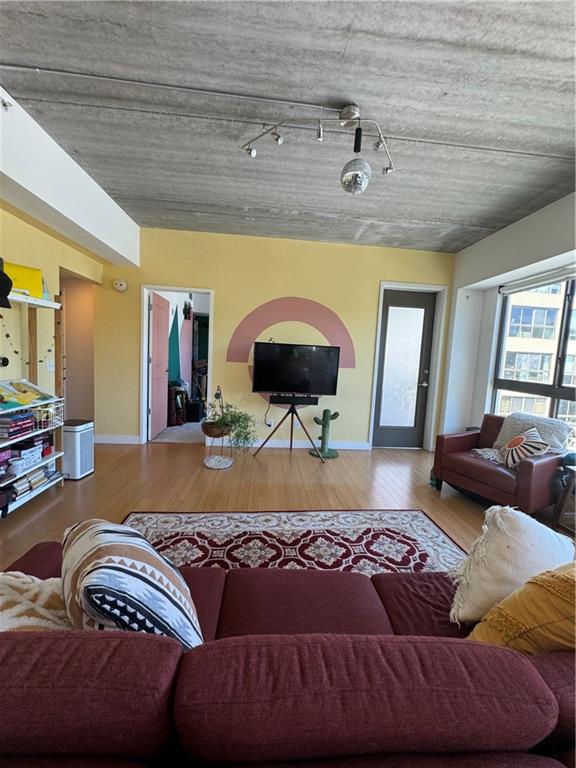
[291,308]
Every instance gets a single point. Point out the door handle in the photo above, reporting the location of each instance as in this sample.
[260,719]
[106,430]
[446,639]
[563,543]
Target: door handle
[424,384]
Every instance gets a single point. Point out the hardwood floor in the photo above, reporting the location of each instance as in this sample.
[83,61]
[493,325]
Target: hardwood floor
[170,477]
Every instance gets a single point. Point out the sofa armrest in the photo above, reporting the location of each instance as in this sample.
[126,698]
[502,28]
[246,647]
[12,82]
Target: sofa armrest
[462,441]
[535,477]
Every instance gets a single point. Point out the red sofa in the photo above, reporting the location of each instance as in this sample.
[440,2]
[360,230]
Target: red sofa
[528,486]
[300,668]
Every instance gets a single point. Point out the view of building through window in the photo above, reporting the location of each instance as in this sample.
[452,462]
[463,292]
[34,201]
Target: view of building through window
[538,351]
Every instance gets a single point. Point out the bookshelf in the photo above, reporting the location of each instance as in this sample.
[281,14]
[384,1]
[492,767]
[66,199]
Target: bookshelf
[28,415]
[40,414]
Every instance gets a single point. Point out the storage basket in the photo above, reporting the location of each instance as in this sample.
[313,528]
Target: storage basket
[49,416]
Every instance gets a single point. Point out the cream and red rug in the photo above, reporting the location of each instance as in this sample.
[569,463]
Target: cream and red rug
[366,541]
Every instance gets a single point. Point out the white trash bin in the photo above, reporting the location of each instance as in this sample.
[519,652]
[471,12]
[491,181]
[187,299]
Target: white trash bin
[78,448]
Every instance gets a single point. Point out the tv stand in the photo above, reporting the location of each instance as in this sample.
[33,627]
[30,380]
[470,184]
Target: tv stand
[292,401]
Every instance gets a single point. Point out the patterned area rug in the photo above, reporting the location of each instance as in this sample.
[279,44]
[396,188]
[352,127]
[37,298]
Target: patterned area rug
[366,541]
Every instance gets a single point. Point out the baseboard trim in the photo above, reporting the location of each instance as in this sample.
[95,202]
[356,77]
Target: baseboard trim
[341,445]
[118,439]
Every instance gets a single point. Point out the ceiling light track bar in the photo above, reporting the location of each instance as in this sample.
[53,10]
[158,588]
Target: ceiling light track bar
[165,86]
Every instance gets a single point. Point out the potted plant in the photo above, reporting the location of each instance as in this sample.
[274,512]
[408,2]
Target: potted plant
[225,419]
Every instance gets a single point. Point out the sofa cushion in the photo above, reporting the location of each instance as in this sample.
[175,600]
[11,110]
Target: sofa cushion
[262,601]
[88,693]
[469,464]
[418,603]
[43,560]
[299,697]
[558,672]
[482,760]
[59,761]
[206,587]
[114,579]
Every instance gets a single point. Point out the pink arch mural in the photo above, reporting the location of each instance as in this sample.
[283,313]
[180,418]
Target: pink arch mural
[286,309]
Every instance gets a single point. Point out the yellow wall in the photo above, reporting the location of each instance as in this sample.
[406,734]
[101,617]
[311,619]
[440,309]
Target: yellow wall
[245,272]
[25,241]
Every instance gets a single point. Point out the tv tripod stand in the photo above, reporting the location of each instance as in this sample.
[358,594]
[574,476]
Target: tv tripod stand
[292,412]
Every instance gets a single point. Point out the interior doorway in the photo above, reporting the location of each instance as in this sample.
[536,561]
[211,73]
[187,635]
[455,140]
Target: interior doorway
[176,345]
[407,365]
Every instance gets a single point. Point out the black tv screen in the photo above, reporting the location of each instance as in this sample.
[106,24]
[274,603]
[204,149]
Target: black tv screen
[295,368]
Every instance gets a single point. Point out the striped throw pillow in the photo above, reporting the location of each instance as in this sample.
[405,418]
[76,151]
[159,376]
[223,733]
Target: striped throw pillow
[523,447]
[114,579]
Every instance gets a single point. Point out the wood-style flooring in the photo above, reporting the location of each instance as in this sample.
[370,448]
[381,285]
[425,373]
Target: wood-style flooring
[170,477]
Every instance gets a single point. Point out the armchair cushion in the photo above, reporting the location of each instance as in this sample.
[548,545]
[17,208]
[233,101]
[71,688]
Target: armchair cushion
[469,464]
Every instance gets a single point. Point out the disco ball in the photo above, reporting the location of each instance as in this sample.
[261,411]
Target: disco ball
[355,176]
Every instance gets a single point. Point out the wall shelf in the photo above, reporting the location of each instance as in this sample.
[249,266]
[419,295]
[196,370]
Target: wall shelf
[32,301]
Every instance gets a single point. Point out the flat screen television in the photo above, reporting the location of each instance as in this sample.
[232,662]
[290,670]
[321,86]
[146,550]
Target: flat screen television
[303,369]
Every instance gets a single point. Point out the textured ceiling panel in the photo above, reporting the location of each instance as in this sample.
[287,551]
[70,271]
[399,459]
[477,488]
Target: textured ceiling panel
[476,97]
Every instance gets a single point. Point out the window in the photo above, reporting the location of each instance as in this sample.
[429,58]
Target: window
[570,371]
[556,288]
[528,366]
[532,322]
[536,369]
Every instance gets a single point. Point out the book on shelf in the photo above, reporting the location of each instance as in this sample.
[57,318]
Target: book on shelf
[10,418]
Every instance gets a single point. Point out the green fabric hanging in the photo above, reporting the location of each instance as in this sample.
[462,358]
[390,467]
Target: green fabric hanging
[174,350]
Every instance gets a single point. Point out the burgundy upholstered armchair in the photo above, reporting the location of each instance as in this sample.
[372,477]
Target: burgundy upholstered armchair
[528,486]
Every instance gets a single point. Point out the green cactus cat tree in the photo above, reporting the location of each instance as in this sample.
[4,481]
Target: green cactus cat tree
[324,422]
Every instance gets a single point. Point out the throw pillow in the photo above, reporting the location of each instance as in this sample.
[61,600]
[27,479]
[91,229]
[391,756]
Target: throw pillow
[29,604]
[511,549]
[537,618]
[523,447]
[114,579]
[553,431]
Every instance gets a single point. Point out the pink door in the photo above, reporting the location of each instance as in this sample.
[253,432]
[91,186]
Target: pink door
[159,365]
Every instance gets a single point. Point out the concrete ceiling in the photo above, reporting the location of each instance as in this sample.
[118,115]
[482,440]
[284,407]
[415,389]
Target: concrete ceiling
[477,98]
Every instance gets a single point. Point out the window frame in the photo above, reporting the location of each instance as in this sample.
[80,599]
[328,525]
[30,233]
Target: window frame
[556,391]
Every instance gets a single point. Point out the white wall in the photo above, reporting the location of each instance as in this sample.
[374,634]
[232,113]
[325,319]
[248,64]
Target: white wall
[41,179]
[520,249]
[536,244]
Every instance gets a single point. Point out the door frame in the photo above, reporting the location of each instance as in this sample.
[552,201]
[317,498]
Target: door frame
[436,357]
[146,291]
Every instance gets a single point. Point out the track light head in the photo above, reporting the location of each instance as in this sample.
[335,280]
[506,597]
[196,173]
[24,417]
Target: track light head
[251,151]
[278,138]
[320,131]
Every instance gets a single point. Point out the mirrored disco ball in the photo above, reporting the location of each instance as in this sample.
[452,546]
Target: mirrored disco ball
[355,176]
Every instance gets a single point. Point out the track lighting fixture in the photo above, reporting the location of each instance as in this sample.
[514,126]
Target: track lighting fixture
[357,173]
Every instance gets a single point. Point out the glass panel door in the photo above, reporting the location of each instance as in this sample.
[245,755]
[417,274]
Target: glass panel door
[403,368]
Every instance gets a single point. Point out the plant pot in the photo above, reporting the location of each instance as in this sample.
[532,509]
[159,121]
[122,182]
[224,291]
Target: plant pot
[211,429]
